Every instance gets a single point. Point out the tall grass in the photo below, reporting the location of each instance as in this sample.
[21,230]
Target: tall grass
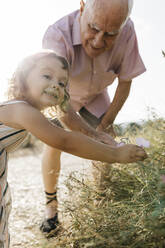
[129,210]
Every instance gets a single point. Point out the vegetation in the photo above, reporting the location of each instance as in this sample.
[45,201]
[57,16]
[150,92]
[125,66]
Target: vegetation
[129,209]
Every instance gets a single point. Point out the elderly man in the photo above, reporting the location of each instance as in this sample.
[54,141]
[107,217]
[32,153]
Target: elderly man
[100,44]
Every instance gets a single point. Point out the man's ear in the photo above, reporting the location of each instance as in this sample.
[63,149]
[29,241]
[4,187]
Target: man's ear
[82,5]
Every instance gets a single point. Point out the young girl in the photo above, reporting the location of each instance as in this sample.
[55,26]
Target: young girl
[39,82]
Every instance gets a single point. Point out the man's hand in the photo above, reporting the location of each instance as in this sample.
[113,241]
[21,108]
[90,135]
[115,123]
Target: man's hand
[110,130]
[105,138]
[75,122]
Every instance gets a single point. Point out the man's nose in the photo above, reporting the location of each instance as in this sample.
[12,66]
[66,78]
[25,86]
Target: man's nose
[98,41]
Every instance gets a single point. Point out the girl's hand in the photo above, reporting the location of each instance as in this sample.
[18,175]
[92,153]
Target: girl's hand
[130,153]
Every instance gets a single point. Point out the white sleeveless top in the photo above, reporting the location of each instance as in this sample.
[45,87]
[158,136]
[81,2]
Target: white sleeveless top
[10,137]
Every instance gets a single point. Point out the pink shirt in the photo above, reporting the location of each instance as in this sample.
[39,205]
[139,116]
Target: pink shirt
[89,78]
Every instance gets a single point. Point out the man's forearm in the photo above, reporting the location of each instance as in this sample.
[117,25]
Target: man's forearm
[121,95]
[74,122]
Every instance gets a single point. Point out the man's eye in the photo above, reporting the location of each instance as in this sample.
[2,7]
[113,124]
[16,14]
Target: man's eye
[93,29]
[47,77]
[110,35]
[61,84]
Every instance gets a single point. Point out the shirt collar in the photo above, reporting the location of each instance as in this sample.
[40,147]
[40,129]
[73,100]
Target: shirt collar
[76,30]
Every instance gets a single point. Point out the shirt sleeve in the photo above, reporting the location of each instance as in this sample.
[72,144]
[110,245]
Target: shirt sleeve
[55,40]
[132,64]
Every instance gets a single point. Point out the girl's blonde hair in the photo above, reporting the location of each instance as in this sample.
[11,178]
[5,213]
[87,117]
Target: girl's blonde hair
[17,84]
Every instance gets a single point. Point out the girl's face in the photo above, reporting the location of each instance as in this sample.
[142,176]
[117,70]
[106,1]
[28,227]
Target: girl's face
[47,83]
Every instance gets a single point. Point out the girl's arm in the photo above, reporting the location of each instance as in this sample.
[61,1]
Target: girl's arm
[25,116]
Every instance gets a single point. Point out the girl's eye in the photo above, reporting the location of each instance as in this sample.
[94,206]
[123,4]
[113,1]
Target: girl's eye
[47,77]
[61,84]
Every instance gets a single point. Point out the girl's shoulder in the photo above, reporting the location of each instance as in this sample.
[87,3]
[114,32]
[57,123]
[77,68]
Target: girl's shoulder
[12,112]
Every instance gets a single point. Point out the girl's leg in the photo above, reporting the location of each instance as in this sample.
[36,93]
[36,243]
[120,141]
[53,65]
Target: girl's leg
[50,172]
[50,168]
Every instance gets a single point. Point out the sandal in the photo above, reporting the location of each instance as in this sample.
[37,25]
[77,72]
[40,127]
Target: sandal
[49,225]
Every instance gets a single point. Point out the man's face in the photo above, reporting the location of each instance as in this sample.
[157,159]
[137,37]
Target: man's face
[100,27]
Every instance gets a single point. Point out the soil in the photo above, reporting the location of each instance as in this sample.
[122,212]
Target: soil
[25,180]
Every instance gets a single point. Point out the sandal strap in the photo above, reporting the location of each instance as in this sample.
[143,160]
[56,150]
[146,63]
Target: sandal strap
[54,193]
[50,199]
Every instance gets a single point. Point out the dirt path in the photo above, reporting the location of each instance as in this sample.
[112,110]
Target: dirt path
[25,181]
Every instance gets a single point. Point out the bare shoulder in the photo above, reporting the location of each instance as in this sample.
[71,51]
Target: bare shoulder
[13,113]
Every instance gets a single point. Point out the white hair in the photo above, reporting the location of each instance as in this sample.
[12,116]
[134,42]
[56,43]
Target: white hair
[89,5]
[130,6]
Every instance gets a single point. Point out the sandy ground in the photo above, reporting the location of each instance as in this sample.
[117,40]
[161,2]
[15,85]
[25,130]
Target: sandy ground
[26,185]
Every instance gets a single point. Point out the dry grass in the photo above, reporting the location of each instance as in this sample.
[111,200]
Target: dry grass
[129,211]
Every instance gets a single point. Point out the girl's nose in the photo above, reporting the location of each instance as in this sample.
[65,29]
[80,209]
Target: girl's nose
[55,86]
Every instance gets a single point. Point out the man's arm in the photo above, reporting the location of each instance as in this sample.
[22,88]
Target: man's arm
[74,122]
[121,95]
